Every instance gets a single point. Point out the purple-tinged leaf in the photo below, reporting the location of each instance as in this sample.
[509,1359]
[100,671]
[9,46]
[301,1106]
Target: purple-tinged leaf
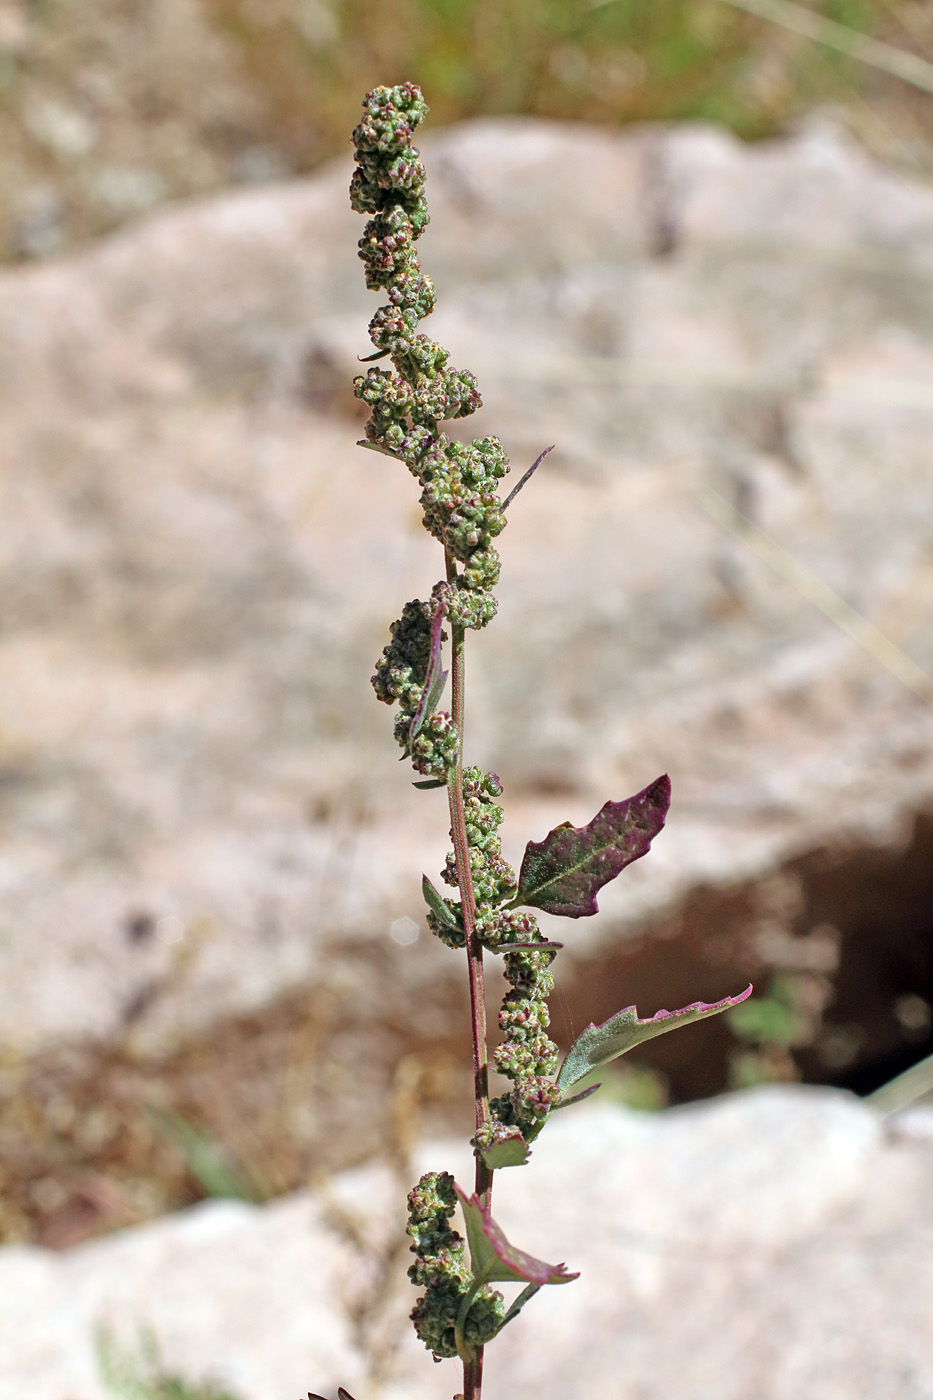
[341,1395]
[562,873]
[508,1150]
[577,1098]
[597,1045]
[494,1260]
[435,678]
[527,477]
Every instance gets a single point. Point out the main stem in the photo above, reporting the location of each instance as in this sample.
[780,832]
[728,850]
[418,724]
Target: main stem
[472,1370]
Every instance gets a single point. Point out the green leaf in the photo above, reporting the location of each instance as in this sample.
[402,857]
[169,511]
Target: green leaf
[508,1150]
[597,1045]
[438,905]
[494,1260]
[378,447]
[435,678]
[562,873]
[428,782]
[524,1297]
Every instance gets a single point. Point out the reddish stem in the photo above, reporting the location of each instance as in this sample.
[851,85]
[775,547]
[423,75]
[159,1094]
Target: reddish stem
[472,1370]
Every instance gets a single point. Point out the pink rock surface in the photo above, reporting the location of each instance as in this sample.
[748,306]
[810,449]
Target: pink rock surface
[198,568]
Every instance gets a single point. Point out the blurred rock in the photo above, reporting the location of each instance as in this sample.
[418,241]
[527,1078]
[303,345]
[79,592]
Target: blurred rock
[766,1244]
[37,229]
[198,567]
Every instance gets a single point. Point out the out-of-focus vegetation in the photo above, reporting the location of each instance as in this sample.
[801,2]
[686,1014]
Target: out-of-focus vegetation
[111,107]
[131,1376]
[771,1026]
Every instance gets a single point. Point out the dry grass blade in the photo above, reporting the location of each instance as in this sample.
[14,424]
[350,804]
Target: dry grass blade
[909,67]
[915,1083]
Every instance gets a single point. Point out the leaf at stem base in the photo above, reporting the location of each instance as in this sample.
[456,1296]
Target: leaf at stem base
[494,1260]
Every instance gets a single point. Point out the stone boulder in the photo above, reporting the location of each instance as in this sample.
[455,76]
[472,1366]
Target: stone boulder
[771,1243]
[731,347]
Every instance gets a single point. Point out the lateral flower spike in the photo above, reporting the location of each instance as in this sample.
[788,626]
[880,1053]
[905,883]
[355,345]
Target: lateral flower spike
[563,873]
[597,1045]
[494,1260]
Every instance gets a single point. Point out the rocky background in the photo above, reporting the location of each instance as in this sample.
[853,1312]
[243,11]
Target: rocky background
[111,108]
[217,980]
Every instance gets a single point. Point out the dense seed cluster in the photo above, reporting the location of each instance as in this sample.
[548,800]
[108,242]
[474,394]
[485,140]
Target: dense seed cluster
[440,1268]
[408,402]
[400,677]
[526,1056]
[493,877]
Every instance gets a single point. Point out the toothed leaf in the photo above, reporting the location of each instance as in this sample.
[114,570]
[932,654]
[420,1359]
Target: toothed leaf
[494,1260]
[597,1045]
[562,873]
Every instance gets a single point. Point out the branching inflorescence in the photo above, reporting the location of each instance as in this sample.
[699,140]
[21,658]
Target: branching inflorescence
[459,1311]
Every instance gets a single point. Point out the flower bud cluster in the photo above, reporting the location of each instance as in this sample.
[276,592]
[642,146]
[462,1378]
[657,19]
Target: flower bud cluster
[408,402]
[400,678]
[526,1054]
[493,877]
[440,1268]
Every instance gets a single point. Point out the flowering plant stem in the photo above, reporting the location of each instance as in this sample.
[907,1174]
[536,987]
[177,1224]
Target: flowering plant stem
[474,947]
[459,1311]
[472,1367]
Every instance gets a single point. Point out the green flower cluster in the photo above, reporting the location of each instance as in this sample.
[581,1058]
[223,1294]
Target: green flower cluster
[526,1054]
[440,1268]
[408,402]
[430,740]
[493,877]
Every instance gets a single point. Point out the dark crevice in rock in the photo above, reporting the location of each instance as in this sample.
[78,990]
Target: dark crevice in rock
[373,1054]
[846,933]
